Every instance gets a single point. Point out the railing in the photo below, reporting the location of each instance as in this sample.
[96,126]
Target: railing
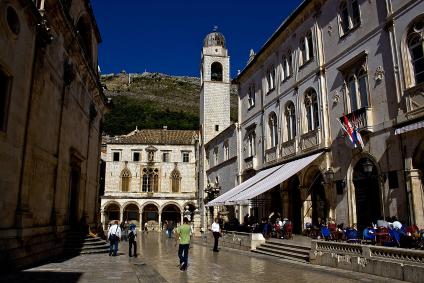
[310,140]
[271,154]
[361,118]
[414,98]
[288,148]
[248,162]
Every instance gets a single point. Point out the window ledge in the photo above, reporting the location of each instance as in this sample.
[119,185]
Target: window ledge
[306,63]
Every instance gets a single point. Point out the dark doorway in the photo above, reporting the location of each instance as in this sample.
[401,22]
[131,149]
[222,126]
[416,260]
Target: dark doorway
[295,204]
[319,202]
[367,194]
[74,188]
[171,213]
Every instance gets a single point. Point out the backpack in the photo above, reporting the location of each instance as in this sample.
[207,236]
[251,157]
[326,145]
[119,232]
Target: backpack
[131,235]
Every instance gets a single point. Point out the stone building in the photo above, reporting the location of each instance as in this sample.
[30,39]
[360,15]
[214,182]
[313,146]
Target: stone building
[150,177]
[330,64]
[51,108]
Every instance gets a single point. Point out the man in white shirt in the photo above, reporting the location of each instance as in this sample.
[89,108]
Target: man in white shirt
[216,231]
[114,235]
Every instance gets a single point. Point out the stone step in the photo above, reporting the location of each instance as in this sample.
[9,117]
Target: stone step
[280,256]
[293,249]
[283,252]
[89,243]
[77,252]
[85,247]
[287,243]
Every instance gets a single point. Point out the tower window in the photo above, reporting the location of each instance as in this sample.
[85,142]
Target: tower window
[186,156]
[216,72]
[216,128]
[136,156]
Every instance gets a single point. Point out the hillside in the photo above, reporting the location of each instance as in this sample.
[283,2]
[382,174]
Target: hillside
[153,100]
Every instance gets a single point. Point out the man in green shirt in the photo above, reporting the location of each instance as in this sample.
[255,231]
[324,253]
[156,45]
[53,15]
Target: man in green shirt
[183,234]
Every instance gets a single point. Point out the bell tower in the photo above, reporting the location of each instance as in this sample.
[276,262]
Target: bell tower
[215,86]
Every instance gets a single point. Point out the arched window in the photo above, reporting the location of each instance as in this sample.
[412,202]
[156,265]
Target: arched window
[83,29]
[251,93]
[270,78]
[273,130]
[310,46]
[216,72]
[311,107]
[351,85]
[357,89]
[363,87]
[416,50]
[125,180]
[175,180]
[289,65]
[349,16]
[150,178]
[344,17]
[290,121]
[284,75]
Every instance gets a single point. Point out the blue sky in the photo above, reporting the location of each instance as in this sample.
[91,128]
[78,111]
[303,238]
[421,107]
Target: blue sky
[166,36]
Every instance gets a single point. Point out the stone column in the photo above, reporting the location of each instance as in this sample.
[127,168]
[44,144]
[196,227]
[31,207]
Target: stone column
[416,196]
[103,218]
[121,215]
[182,216]
[160,220]
[141,222]
[197,224]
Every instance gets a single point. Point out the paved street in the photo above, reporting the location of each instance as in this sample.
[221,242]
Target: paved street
[157,262]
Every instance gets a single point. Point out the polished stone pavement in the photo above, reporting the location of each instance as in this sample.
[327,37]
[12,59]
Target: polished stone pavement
[157,262]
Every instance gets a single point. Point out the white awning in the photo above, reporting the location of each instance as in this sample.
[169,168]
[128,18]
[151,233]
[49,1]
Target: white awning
[411,127]
[263,181]
[220,200]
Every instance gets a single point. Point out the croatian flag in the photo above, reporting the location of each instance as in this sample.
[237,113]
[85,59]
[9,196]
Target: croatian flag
[349,130]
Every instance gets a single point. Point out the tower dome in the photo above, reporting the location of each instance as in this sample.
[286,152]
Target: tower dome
[214,39]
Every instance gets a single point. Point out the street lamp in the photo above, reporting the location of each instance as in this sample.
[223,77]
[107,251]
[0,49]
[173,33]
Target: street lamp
[329,175]
[367,166]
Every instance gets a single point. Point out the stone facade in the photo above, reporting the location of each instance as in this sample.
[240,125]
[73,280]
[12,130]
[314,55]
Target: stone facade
[50,95]
[329,62]
[150,177]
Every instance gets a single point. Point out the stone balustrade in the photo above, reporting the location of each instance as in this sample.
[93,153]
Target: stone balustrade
[397,263]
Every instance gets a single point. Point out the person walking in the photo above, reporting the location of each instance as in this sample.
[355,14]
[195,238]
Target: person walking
[132,239]
[216,231]
[114,235]
[183,233]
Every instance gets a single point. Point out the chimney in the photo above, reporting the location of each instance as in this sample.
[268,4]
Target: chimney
[165,128]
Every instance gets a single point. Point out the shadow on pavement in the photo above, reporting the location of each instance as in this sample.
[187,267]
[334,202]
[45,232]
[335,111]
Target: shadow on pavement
[41,276]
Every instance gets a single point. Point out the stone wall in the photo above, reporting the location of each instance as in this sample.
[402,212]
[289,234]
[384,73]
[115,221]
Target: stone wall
[237,240]
[396,263]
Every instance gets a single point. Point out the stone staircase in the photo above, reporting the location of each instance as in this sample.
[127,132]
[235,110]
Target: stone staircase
[286,249]
[79,243]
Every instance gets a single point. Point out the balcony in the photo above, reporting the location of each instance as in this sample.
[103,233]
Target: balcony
[288,148]
[362,118]
[310,140]
[271,154]
[248,163]
[414,99]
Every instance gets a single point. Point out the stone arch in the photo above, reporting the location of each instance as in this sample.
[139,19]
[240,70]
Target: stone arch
[352,190]
[150,203]
[131,213]
[111,211]
[216,72]
[171,202]
[171,212]
[150,216]
[105,205]
[131,202]
[316,206]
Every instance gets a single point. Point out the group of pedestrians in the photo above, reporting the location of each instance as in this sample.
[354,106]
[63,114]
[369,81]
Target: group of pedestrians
[183,235]
[114,236]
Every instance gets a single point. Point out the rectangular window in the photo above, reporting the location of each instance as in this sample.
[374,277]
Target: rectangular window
[165,157]
[215,155]
[4,100]
[186,156]
[216,128]
[136,156]
[116,156]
